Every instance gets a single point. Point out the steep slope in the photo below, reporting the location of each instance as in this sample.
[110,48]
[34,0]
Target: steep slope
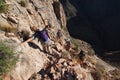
[61,62]
[20,18]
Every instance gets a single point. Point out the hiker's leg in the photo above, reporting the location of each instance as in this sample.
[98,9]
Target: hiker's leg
[44,47]
[49,47]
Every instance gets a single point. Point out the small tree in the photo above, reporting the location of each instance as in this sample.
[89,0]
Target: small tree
[7,58]
[3,6]
[23,3]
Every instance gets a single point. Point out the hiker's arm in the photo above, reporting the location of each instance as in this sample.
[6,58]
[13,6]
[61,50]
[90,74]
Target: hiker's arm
[30,39]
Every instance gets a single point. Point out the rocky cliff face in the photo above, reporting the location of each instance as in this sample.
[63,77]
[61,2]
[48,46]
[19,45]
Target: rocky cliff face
[60,62]
[19,17]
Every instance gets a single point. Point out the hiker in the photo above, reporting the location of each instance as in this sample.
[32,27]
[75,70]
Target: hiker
[59,33]
[68,44]
[82,60]
[60,37]
[42,35]
[82,57]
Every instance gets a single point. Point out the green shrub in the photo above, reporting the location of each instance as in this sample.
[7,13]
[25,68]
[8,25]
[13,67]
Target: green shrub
[91,52]
[65,55]
[75,43]
[23,3]
[3,6]
[6,27]
[7,58]
[1,78]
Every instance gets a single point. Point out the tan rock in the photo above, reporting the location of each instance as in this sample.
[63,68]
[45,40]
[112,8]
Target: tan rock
[65,64]
[12,19]
[61,60]
[52,70]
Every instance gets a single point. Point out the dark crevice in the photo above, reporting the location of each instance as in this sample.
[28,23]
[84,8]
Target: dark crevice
[94,21]
[56,6]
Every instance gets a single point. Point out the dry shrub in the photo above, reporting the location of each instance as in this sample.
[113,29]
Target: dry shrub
[7,28]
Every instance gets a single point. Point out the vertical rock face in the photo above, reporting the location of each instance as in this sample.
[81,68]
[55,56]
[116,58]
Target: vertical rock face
[35,11]
[96,22]
[30,61]
[19,17]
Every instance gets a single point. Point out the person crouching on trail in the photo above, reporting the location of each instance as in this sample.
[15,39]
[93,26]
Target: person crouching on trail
[42,36]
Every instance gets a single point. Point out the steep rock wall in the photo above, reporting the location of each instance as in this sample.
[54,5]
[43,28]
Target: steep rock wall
[20,18]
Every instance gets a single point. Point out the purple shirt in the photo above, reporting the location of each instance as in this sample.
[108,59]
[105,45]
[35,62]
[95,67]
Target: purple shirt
[41,34]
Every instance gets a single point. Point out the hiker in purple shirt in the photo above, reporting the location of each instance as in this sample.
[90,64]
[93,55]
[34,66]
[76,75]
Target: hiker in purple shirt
[42,36]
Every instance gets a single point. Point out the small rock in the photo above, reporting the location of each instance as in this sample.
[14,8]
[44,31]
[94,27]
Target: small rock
[59,47]
[4,16]
[61,60]
[52,70]
[10,34]
[12,19]
[65,64]
[71,63]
